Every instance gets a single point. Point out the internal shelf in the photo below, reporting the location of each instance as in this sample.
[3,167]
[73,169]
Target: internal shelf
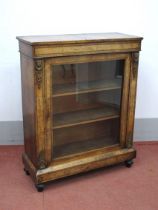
[83,146]
[86,87]
[85,116]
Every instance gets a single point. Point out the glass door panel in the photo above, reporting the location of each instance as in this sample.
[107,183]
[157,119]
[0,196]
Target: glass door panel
[86,106]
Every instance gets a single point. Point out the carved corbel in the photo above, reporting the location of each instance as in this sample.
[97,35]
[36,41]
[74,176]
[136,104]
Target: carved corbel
[38,72]
[41,162]
[135,59]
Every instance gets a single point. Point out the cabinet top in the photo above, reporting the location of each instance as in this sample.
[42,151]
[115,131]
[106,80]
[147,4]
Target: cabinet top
[76,38]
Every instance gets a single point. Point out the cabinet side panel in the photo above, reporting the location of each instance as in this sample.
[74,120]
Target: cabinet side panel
[28,105]
[124,106]
[132,98]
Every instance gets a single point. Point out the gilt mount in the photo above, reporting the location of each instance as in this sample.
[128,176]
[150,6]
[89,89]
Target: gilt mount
[38,72]
[135,59]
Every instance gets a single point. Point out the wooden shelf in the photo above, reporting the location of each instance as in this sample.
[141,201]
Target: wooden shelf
[86,87]
[83,146]
[84,116]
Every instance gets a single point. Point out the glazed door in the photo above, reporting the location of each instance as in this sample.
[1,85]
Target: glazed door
[89,103]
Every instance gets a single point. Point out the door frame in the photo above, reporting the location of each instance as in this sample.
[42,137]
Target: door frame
[48,101]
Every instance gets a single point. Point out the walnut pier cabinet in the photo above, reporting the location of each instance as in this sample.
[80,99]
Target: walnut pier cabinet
[78,97]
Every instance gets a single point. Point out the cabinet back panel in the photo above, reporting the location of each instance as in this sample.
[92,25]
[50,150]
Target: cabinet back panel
[89,136]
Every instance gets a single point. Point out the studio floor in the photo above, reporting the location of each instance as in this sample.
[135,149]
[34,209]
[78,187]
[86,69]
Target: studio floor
[113,188]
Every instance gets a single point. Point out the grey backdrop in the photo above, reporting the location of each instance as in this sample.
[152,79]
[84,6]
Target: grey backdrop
[11,133]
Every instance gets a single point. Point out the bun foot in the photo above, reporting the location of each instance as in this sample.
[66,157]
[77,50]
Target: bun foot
[128,163]
[39,187]
[26,172]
